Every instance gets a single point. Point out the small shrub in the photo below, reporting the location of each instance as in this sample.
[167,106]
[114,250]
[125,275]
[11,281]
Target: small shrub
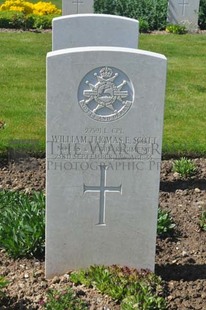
[29,21]
[176,29]
[143,25]
[185,167]
[165,224]
[61,300]
[22,223]
[43,22]
[18,20]
[132,289]
[21,14]
[5,19]
[26,7]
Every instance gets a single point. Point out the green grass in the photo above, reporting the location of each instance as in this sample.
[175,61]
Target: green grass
[22,100]
[22,80]
[185,109]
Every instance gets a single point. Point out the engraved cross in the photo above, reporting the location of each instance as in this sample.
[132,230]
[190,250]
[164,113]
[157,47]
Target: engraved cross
[77,2]
[102,189]
[183,3]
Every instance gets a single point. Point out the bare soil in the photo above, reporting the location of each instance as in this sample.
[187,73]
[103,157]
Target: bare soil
[180,259]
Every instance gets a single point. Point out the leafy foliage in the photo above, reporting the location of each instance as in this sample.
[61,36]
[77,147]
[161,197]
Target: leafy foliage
[66,299]
[41,22]
[132,289]
[21,14]
[5,19]
[184,166]
[165,224]
[22,223]
[18,20]
[26,7]
[149,12]
[152,14]
[176,29]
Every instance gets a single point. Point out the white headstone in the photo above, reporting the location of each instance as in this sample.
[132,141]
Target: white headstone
[94,30]
[104,131]
[184,12]
[77,6]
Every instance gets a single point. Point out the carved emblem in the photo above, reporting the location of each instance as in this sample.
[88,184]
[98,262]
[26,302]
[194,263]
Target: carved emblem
[105,94]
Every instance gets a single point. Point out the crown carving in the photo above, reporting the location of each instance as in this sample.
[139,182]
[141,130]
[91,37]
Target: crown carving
[106,72]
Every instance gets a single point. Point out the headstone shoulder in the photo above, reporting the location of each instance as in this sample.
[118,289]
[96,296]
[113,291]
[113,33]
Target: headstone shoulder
[94,30]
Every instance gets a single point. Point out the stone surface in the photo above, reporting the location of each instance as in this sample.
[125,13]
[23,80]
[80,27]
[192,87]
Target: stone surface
[182,277]
[94,30]
[77,6]
[104,130]
[184,12]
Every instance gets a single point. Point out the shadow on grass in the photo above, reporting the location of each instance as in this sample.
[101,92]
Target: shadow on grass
[186,272]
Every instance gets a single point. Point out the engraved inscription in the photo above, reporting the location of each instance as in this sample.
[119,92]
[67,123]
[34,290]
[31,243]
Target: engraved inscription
[100,146]
[77,2]
[105,94]
[183,4]
[102,189]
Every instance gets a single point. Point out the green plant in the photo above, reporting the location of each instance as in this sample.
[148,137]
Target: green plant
[176,29]
[202,222]
[3,283]
[143,25]
[43,22]
[27,7]
[131,288]
[22,223]
[153,12]
[165,224]
[61,300]
[5,19]
[20,14]
[184,166]
[18,20]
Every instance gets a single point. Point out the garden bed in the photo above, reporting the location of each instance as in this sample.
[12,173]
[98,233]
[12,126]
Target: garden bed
[180,259]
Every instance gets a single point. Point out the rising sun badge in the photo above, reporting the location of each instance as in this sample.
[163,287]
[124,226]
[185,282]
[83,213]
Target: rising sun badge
[105,94]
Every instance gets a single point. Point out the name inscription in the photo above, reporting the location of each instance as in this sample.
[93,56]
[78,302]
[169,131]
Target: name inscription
[73,152]
[102,143]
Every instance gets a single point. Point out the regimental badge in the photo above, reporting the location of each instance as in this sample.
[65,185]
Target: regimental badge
[105,94]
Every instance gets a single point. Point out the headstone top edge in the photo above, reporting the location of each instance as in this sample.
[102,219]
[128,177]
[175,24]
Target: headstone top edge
[90,15]
[104,49]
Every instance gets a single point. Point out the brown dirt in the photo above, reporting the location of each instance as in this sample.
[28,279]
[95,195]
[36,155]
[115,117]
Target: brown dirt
[180,260]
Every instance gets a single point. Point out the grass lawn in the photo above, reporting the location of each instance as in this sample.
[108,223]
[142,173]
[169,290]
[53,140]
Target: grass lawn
[185,108]
[22,80]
